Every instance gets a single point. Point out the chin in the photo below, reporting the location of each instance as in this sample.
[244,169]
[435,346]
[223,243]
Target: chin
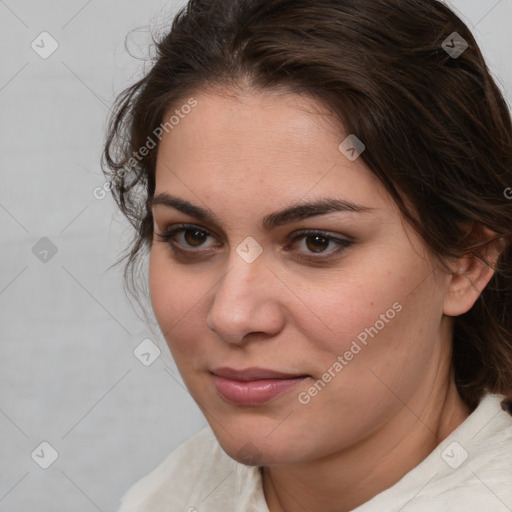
[253,450]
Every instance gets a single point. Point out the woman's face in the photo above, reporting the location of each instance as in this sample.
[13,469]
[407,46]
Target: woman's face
[353,308]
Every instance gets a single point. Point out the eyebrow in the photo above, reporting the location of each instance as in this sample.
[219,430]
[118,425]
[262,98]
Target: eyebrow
[294,213]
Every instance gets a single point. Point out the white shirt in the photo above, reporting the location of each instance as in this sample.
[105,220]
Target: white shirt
[470,471]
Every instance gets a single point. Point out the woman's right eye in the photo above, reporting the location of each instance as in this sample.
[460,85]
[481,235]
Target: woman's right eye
[185,238]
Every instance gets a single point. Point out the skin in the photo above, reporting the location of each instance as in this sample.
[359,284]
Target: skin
[244,156]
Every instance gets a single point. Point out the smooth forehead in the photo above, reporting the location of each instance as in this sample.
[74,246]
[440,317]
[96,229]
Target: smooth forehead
[247,116]
[253,142]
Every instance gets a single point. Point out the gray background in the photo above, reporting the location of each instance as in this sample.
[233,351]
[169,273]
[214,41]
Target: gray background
[68,372]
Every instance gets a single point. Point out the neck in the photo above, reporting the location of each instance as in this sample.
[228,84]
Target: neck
[346,479]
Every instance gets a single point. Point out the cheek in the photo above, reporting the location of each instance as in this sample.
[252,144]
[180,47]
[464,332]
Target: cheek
[380,322]
[386,336]
[160,289]
[169,294]
[350,308]
[177,298]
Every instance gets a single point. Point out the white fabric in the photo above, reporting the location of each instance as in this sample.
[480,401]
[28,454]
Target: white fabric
[200,476]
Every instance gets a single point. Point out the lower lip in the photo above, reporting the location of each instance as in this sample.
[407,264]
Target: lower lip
[253,392]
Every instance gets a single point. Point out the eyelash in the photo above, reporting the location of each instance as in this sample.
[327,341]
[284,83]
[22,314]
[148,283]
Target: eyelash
[181,228]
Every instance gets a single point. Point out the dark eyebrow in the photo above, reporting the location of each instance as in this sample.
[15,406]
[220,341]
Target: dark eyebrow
[305,210]
[294,213]
[198,212]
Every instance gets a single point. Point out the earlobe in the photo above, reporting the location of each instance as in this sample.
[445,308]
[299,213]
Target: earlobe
[470,275]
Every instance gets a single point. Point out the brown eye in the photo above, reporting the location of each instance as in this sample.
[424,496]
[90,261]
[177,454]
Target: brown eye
[184,237]
[195,238]
[317,243]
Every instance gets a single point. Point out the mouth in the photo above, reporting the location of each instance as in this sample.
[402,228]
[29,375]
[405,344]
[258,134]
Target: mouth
[253,386]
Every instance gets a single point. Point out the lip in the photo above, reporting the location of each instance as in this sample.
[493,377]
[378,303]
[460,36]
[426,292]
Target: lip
[253,386]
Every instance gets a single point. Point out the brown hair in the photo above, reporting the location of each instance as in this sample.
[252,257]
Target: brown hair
[437,130]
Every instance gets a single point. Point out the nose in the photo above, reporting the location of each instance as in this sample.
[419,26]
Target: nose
[248,300]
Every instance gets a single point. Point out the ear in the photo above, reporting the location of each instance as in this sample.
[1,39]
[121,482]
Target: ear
[472,272]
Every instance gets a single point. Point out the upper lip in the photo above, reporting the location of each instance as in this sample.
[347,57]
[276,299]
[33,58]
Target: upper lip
[248,374]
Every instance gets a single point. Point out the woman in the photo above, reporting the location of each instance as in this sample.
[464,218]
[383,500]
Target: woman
[322,188]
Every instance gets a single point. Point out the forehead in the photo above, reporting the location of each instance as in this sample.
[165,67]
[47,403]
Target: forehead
[261,145]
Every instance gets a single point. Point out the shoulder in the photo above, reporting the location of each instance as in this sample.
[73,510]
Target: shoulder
[470,471]
[475,464]
[483,477]
[173,481]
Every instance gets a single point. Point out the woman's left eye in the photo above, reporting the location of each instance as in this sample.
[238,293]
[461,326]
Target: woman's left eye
[194,238]
[317,242]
